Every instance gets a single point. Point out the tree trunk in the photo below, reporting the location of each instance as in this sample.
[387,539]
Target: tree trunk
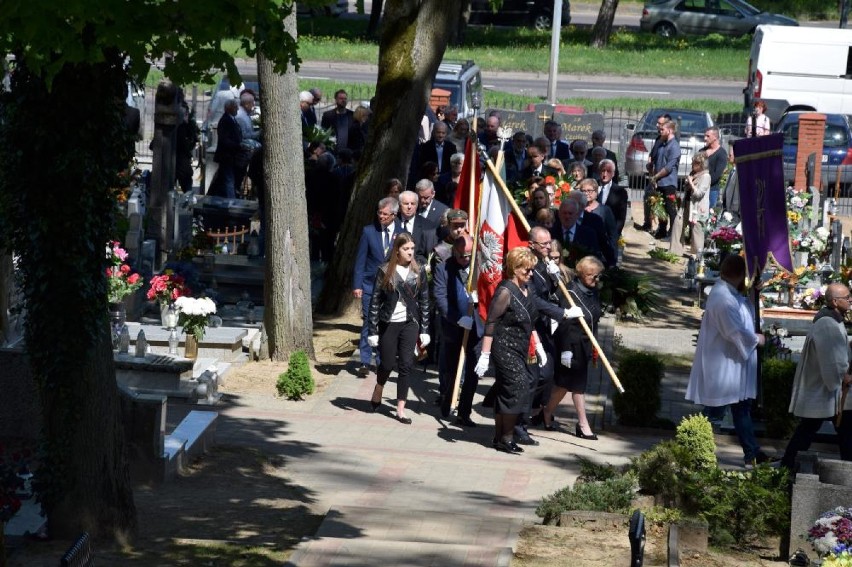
[287,293]
[375,18]
[603,25]
[414,37]
[6,286]
[61,149]
[457,38]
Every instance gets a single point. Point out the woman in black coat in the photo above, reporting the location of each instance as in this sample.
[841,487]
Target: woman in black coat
[399,315]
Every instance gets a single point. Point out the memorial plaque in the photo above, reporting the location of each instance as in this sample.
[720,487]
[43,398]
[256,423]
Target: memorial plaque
[579,126]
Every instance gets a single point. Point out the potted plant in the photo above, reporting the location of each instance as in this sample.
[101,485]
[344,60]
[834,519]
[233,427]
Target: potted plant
[193,313]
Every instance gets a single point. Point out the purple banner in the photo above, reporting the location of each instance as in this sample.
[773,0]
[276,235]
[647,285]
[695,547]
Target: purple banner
[763,203]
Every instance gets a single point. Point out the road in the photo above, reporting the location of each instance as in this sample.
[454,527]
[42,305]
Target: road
[535,84]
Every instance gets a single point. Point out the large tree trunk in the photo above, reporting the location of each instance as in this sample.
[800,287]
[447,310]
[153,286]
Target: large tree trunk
[603,25]
[6,286]
[60,151]
[375,18]
[287,293]
[457,37]
[414,37]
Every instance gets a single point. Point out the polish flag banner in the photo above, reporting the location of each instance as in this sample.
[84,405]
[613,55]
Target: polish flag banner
[499,232]
[463,199]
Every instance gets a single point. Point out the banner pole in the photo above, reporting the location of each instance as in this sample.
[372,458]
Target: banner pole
[562,288]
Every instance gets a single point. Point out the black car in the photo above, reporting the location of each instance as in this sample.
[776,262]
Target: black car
[535,13]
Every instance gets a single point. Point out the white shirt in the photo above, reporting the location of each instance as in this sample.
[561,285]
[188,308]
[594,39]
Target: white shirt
[604,193]
[400,314]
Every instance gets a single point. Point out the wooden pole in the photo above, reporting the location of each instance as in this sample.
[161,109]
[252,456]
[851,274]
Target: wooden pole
[583,324]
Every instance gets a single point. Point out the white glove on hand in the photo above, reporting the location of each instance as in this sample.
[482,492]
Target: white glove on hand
[474,296]
[465,322]
[573,313]
[373,341]
[425,340]
[552,269]
[542,356]
[482,364]
[566,358]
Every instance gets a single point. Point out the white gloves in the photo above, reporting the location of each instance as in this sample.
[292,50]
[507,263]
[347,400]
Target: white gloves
[474,296]
[465,322]
[482,364]
[542,356]
[373,341]
[566,357]
[425,339]
[552,269]
[573,313]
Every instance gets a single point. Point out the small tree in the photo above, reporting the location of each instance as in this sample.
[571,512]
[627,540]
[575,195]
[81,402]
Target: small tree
[641,374]
[298,380]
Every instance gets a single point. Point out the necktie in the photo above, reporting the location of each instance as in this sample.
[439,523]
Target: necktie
[387,240]
[569,235]
[553,149]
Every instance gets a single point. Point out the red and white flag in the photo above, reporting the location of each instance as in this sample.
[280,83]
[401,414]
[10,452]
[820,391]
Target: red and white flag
[500,231]
[465,198]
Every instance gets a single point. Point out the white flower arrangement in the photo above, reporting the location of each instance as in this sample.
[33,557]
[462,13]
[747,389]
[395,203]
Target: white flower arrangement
[193,313]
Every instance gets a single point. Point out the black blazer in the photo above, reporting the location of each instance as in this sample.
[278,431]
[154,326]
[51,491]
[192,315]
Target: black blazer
[429,152]
[228,138]
[546,170]
[414,291]
[617,200]
[584,237]
[425,237]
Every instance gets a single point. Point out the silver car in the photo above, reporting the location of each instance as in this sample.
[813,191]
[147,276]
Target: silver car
[637,139]
[669,18]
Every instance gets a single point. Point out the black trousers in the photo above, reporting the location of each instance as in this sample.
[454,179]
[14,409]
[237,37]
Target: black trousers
[671,204]
[396,346]
[807,429]
[451,349]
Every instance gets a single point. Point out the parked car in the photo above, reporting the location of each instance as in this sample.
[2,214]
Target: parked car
[836,147]
[669,18]
[331,8]
[535,13]
[462,79]
[637,139]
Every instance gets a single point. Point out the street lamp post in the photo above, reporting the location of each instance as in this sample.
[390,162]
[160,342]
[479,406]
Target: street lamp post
[555,36]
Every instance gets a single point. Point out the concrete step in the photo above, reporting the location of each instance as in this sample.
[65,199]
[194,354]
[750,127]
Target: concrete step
[193,435]
[327,552]
[358,536]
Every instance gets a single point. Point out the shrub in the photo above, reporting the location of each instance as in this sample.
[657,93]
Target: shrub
[660,471]
[695,436]
[612,495]
[629,295]
[591,471]
[298,380]
[777,376]
[640,374]
[742,506]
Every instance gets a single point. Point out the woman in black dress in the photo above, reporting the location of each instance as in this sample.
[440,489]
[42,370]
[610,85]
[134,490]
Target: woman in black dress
[399,315]
[509,335]
[575,348]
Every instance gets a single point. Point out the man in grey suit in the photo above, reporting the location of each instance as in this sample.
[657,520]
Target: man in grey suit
[429,207]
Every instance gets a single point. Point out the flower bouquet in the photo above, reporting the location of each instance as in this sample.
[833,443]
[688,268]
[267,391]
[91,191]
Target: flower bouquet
[831,536]
[727,238]
[167,287]
[657,204]
[193,313]
[814,242]
[121,280]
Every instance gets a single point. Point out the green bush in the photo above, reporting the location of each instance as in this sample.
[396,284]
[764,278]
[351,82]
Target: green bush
[298,380]
[640,374]
[695,435]
[591,471]
[612,495]
[742,506]
[661,470]
[777,381]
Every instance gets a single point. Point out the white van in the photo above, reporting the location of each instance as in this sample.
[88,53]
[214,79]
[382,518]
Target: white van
[800,68]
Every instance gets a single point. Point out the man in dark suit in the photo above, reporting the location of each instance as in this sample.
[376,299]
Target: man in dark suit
[306,104]
[453,303]
[422,230]
[559,148]
[373,248]
[613,195]
[339,118]
[598,139]
[430,208]
[515,151]
[575,238]
[536,166]
[228,148]
[438,149]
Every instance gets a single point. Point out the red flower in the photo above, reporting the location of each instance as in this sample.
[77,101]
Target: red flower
[549,180]
[671,198]
[125,269]
[132,278]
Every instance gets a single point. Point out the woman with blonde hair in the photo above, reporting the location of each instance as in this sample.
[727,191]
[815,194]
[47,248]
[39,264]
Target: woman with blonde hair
[509,334]
[688,228]
[399,315]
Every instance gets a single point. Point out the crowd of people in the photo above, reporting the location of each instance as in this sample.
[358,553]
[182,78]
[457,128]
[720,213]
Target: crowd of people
[532,337]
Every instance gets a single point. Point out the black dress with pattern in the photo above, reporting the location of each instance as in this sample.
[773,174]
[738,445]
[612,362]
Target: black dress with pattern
[571,337]
[510,322]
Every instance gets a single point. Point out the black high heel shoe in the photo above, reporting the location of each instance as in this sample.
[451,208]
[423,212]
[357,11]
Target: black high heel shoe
[375,405]
[579,432]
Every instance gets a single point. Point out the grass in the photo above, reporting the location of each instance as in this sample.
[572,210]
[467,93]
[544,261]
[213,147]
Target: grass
[514,49]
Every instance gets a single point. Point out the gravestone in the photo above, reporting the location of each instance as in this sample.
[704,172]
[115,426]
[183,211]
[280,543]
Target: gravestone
[579,126]
[520,121]
[166,118]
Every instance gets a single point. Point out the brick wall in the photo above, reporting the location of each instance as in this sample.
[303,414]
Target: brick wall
[811,133]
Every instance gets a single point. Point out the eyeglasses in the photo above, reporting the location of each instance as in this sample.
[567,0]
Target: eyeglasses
[556,259]
[594,277]
[465,256]
[528,271]
[543,244]
[846,298]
